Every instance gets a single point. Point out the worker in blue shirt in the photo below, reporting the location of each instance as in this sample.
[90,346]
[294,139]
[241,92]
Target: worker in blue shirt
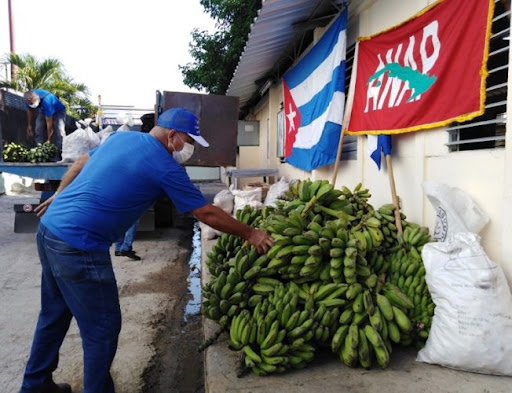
[49,113]
[85,217]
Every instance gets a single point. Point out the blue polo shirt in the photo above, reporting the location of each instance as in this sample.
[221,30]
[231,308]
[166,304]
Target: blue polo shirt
[50,104]
[121,180]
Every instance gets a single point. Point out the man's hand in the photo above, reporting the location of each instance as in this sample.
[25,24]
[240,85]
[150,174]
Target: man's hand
[68,177]
[41,209]
[261,240]
[30,132]
[217,218]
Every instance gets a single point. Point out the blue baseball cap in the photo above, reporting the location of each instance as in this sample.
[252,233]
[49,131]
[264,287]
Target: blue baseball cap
[182,120]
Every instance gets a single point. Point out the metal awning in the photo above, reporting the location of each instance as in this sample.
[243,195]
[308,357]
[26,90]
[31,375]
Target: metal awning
[279,26]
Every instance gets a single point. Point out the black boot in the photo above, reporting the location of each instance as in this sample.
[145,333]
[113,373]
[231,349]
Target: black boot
[129,254]
[57,388]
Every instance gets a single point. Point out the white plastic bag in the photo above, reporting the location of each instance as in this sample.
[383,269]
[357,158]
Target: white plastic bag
[276,192]
[104,134]
[208,232]
[245,197]
[455,210]
[472,325]
[225,200]
[78,142]
[126,120]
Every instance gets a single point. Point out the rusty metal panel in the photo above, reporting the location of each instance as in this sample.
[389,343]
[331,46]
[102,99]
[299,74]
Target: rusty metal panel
[218,120]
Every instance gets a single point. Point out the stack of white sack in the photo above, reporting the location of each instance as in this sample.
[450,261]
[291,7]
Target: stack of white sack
[79,141]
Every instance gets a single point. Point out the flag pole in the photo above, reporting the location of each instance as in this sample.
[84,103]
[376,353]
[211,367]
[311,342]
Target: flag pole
[338,157]
[346,115]
[398,219]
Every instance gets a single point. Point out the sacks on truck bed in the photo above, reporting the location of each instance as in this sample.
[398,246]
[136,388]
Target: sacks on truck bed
[78,143]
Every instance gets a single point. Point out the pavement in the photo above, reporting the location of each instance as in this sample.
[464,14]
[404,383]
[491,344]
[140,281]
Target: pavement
[327,374]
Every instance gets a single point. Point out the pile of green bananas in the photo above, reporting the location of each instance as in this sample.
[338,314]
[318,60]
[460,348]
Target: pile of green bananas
[41,153]
[15,153]
[339,276]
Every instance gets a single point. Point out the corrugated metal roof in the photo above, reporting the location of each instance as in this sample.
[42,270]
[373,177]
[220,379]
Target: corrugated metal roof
[272,33]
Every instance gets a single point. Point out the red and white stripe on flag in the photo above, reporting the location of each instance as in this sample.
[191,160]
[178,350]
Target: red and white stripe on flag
[424,73]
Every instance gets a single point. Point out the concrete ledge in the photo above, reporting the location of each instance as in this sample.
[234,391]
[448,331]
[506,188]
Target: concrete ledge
[326,374]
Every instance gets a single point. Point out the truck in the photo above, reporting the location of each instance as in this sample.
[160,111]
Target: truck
[218,116]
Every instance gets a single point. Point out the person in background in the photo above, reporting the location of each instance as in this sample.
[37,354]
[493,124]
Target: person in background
[81,221]
[50,114]
[124,245]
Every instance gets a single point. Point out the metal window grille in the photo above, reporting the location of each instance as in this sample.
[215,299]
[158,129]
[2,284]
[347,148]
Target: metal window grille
[349,151]
[488,130]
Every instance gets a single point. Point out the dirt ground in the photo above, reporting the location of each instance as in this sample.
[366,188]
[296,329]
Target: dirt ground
[159,301]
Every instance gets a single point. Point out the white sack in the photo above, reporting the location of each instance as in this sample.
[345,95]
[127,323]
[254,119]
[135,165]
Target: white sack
[455,210]
[245,197]
[208,232]
[225,200]
[78,143]
[126,122]
[104,134]
[276,192]
[472,324]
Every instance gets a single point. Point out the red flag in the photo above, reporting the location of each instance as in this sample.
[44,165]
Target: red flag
[427,72]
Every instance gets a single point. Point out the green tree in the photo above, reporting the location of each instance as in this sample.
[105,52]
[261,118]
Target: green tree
[216,55]
[49,74]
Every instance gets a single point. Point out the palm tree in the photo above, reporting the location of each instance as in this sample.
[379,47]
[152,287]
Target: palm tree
[49,74]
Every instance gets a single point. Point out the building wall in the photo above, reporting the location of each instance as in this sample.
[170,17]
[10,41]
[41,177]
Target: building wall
[484,174]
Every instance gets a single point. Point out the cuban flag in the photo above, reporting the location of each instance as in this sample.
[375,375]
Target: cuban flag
[314,99]
[378,144]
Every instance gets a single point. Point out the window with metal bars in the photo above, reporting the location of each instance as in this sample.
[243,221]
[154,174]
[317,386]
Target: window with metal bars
[488,130]
[349,150]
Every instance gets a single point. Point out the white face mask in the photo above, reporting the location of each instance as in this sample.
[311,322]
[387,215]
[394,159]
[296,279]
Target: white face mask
[34,105]
[185,153]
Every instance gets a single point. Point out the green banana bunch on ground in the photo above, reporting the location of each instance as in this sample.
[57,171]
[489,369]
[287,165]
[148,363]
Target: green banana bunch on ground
[370,325]
[275,336]
[338,276]
[407,272]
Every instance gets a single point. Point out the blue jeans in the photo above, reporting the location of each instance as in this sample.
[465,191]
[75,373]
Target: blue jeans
[59,129]
[125,243]
[78,284]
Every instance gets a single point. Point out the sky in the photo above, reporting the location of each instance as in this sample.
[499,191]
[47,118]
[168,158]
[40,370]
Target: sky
[123,50]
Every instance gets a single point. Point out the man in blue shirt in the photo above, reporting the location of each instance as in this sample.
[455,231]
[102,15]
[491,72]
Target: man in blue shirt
[98,199]
[50,115]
